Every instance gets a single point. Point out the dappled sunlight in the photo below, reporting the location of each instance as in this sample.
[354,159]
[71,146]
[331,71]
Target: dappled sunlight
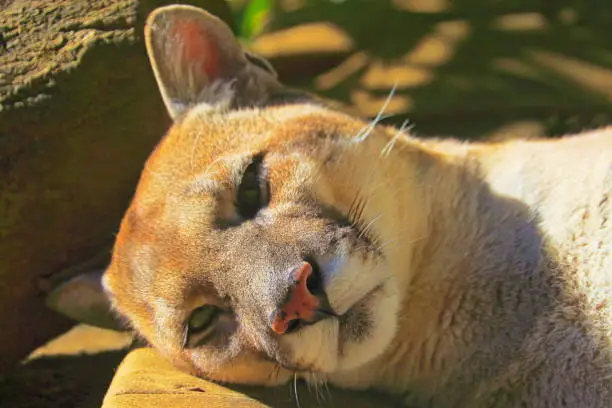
[590,76]
[382,76]
[520,22]
[83,339]
[370,105]
[438,47]
[291,5]
[487,67]
[430,51]
[422,6]
[453,30]
[524,129]
[303,39]
[568,16]
[347,68]
[515,66]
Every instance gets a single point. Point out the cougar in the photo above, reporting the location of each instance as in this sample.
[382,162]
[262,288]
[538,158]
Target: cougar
[271,236]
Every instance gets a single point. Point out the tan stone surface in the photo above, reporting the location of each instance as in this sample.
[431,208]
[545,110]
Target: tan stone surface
[146,380]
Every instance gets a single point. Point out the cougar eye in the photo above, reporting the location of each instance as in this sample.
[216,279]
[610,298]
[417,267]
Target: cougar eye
[253,189]
[201,319]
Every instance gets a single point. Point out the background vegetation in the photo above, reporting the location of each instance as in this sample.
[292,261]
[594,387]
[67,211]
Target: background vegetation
[464,67]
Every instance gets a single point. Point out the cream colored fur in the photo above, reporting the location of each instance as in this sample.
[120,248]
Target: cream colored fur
[463,225]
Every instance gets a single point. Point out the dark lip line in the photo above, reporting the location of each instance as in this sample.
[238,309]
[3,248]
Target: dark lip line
[364,297]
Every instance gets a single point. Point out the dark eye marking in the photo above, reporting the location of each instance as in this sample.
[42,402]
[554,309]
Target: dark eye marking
[253,191]
[201,325]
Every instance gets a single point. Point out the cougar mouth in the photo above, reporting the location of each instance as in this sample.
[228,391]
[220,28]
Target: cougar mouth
[371,293]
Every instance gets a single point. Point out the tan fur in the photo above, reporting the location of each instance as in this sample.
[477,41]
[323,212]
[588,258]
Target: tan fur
[485,279]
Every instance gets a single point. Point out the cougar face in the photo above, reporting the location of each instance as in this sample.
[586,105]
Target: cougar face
[237,259]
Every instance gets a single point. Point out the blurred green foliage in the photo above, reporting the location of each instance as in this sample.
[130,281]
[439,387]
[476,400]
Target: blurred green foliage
[251,17]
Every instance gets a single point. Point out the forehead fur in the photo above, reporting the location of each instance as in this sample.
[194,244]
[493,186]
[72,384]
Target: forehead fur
[213,134]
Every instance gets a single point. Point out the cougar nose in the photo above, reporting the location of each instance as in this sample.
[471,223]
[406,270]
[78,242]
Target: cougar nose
[305,303]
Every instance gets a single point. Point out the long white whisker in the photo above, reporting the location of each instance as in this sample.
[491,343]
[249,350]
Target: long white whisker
[413,241]
[312,386]
[273,374]
[369,225]
[295,389]
[365,132]
[389,146]
[326,385]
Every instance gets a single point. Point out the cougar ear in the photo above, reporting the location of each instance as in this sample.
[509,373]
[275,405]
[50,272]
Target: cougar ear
[84,299]
[197,60]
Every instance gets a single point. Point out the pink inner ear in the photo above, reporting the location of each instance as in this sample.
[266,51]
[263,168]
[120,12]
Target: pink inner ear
[198,46]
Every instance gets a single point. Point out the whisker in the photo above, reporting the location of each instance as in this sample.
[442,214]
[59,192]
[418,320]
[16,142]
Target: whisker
[359,204]
[390,241]
[273,374]
[386,243]
[355,212]
[310,385]
[363,231]
[365,132]
[320,395]
[328,392]
[295,389]
[314,384]
[417,239]
[389,146]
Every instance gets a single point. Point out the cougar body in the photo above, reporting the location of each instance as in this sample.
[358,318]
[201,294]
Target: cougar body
[452,274]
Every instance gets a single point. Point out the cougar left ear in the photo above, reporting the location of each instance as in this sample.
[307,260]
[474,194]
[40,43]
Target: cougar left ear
[197,60]
[84,300]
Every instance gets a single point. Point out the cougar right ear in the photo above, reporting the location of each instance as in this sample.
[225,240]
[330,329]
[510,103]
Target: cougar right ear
[197,60]
[84,299]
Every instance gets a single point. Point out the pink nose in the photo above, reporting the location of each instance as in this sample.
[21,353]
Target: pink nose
[301,304]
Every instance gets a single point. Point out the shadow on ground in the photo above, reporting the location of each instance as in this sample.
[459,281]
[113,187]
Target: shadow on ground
[72,370]
[78,380]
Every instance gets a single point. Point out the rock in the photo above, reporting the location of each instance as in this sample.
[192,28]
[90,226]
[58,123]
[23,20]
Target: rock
[79,113]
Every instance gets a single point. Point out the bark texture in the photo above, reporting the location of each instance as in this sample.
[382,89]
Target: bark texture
[79,113]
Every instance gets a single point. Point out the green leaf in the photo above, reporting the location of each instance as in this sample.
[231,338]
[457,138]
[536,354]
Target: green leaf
[254,18]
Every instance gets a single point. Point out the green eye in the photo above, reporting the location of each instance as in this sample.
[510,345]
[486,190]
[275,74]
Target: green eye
[202,318]
[252,192]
